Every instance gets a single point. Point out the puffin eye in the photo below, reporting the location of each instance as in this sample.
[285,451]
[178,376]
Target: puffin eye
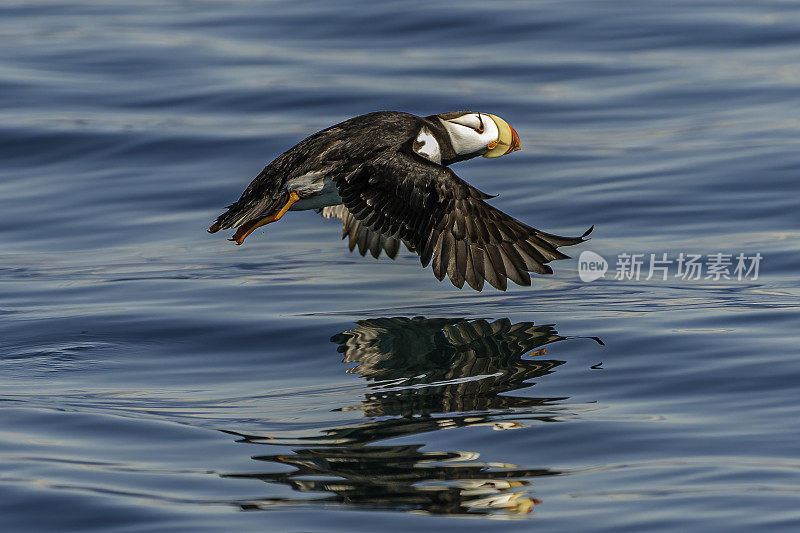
[480,128]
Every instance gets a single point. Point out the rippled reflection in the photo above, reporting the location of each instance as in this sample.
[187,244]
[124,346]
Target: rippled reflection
[424,375]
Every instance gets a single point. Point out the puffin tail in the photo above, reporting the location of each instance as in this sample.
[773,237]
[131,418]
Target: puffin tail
[245,211]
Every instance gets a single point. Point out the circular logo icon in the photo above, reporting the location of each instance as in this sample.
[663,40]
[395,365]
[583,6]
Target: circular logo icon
[591,266]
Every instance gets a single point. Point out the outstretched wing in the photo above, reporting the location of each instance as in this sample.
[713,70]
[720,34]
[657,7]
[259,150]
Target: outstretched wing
[447,222]
[358,234]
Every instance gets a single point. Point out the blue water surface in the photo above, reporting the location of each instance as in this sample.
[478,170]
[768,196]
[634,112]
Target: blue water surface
[157,378]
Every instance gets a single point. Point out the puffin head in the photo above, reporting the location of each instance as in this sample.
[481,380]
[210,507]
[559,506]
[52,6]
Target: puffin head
[473,134]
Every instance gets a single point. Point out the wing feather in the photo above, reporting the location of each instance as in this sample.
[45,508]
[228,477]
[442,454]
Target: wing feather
[361,236]
[404,197]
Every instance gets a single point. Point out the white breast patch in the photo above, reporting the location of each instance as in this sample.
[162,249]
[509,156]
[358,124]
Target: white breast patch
[315,190]
[427,146]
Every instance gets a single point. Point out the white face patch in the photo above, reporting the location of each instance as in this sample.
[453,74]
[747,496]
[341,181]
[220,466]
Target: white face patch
[466,135]
[427,146]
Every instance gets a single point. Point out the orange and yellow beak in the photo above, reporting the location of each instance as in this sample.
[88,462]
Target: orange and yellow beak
[507,139]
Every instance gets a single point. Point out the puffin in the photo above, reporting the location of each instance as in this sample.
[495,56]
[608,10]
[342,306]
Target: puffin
[387,176]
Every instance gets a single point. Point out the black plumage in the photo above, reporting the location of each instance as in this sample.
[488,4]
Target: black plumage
[390,193]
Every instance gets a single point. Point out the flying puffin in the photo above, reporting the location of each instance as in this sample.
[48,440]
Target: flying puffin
[386,175]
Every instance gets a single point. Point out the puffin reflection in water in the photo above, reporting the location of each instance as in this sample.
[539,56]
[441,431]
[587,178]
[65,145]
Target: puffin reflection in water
[423,375]
[386,175]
